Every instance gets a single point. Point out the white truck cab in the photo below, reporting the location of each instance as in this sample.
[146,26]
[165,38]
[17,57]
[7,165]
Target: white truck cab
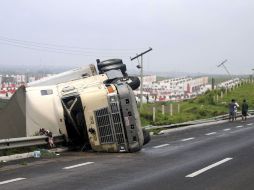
[96,111]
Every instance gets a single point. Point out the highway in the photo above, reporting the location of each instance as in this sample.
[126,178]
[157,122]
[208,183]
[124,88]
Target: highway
[218,156]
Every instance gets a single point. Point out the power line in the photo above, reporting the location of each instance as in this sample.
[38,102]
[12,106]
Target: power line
[19,44]
[40,49]
[48,48]
[60,52]
[48,45]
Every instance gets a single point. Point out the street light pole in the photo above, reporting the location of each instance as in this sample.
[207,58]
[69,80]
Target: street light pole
[141,73]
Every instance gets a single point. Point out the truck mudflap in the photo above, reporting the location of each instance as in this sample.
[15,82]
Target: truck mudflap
[131,120]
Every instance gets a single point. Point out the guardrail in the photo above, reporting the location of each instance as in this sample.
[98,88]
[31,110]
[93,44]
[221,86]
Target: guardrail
[28,141]
[200,121]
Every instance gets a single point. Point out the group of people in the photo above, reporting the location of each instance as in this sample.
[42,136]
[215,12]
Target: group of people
[233,110]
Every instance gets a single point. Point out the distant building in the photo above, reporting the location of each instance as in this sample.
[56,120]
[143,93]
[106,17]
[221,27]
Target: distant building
[174,89]
[149,79]
[229,83]
[8,79]
[20,79]
[10,83]
[31,79]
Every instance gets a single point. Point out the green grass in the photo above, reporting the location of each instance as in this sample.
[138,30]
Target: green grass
[204,106]
[47,154]
[20,150]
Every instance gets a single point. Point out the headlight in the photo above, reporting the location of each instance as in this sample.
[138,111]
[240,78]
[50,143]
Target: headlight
[112,99]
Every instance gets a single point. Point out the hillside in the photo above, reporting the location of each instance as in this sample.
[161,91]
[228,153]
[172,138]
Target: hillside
[204,106]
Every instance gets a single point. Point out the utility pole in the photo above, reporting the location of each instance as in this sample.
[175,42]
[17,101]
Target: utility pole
[252,75]
[213,83]
[223,65]
[141,73]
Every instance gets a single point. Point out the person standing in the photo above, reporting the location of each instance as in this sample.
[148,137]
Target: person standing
[245,108]
[231,108]
[235,110]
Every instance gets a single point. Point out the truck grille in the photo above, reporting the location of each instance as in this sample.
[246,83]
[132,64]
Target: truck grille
[104,126]
[117,122]
[110,125]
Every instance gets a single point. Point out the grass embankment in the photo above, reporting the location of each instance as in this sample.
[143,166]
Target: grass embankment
[204,106]
[42,148]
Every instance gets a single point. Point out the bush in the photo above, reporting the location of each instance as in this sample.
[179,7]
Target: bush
[210,99]
[201,100]
[203,113]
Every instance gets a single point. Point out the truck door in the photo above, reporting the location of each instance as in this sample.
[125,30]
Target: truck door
[75,121]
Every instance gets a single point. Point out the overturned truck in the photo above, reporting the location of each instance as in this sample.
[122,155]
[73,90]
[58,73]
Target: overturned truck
[90,109]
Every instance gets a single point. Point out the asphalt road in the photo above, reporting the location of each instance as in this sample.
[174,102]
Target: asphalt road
[219,156]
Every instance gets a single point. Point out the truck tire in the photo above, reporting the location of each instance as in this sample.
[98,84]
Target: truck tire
[147,136]
[135,82]
[109,62]
[121,67]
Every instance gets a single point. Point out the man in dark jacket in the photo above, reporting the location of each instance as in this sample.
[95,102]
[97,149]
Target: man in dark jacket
[245,108]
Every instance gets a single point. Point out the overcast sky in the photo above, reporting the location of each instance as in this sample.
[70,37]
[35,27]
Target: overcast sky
[186,35]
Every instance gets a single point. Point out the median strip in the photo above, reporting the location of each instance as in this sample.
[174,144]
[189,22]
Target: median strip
[188,139]
[11,181]
[212,133]
[160,146]
[78,165]
[208,167]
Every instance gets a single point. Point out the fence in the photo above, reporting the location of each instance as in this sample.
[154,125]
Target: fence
[200,121]
[28,141]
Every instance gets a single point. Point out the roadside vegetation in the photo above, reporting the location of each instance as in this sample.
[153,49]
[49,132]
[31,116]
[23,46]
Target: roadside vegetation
[212,103]
[20,150]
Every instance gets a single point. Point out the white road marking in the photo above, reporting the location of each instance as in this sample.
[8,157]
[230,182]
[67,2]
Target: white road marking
[78,165]
[212,133]
[11,181]
[160,146]
[208,167]
[188,139]
[228,129]
[239,126]
[250,124]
